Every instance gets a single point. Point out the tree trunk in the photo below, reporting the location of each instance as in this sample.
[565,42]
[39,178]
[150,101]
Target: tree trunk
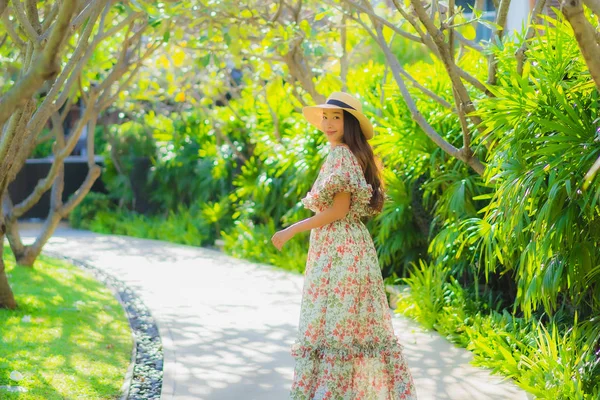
[25,256]
[14,239]
[28,257]
[585,34]
[7,299]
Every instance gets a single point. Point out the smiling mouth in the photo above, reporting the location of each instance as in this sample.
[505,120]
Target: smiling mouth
[330,132]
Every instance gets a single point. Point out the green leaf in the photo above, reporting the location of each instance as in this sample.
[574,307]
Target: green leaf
[468,31]
[204,60]
[321,15]
[154,21]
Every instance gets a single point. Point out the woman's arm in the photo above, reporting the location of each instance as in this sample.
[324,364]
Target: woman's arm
[338,210]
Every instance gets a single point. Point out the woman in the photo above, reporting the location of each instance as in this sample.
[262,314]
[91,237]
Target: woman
[346,346]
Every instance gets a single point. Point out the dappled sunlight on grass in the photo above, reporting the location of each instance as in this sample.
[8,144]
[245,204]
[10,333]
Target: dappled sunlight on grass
[69,337]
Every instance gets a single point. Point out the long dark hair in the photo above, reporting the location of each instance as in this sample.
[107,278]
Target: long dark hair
[354,138]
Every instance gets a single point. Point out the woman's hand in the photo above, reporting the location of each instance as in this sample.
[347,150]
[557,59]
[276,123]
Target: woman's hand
[280,238]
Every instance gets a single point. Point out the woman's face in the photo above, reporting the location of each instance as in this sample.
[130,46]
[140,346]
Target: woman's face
[332,125]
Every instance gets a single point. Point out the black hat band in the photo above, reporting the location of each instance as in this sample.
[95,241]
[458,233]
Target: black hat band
[340,104]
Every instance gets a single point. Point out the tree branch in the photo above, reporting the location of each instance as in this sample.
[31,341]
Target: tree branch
[464,126]
[33,15]
[428,41]
[122,63]
[79,59]
[46,66]
[383,21]
[58,164]
[477,8]
[91,151]
[587,180]
[520,53]
[49,18]
[32,35]
[61,88]
[62,152]
[106,101]
[12,227]
[417,116]
[33,250]
[18,147]
[82,16]
[501,22]
[299,70]
[344,58]
[585,35]
[593,5]
[278,12]
[9,146]
[438,99]
[453,71]
[112,31]
[10,30]
[93,174]
[450,30]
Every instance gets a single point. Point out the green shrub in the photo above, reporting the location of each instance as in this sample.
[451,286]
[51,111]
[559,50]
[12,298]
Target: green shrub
[253,242]
[92,204]
[130,149]
[44,149]
[183,226]
[556,359]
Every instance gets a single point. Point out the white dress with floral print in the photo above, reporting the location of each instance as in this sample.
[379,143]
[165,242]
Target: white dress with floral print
[346,348]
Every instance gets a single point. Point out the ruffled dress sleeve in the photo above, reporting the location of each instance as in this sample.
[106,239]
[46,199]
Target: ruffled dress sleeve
[341,172]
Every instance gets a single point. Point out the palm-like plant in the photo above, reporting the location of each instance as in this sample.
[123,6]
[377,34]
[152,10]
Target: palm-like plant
[539,225]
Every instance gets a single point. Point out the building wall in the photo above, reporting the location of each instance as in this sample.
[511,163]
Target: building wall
[518,16]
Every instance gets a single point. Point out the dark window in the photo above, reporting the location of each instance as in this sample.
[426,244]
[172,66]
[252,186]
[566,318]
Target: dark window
[489,14]
[469,4]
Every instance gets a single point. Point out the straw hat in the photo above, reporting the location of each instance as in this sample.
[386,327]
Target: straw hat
[342,101]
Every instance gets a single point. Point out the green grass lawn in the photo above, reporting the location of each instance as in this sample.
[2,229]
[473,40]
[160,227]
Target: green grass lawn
[78,343]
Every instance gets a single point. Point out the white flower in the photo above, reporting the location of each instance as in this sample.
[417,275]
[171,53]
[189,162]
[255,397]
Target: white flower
[26,318]
[16,376]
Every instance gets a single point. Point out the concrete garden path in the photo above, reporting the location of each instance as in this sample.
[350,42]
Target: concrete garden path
[227,324]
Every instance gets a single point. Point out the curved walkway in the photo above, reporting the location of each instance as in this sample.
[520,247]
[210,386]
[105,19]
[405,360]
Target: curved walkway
[227,324]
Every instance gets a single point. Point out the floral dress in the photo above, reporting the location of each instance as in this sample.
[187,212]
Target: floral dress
[346,348]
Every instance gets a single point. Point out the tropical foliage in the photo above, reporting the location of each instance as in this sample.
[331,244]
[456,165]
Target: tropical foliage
[509,251]
[490,152]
